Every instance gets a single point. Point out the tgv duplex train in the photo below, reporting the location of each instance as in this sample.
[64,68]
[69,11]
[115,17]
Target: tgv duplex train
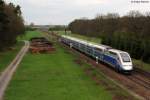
[119,60]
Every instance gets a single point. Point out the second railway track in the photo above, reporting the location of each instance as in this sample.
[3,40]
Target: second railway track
[140,81]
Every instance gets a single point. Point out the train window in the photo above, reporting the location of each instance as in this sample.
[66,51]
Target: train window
[99,49]
[125,57]
[113,54]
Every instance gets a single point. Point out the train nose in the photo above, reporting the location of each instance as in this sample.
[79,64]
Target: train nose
[127,67]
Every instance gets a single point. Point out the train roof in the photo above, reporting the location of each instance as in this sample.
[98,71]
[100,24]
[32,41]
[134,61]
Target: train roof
[96,45]
[105,46]
[75,39]
[117,51]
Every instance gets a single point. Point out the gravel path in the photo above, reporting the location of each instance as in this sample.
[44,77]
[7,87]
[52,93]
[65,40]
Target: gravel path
[9,71]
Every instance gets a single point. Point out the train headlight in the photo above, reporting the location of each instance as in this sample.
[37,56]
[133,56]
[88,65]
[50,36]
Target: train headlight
[127,67]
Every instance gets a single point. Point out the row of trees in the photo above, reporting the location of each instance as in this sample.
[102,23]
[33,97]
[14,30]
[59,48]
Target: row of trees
[130,32]
[57,28]
[11,24]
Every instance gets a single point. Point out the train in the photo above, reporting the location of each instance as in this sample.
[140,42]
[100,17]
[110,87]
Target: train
[117,59]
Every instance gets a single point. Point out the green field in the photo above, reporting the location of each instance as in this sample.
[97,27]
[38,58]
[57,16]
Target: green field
[28,36]
[54,76]
[137,63]
[141,64]
[7,56]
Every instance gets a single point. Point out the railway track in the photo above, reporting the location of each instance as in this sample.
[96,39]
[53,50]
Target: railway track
[141,77]
[140,81]
[142,72]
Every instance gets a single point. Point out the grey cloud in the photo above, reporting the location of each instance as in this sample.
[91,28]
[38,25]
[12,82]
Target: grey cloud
[64,11]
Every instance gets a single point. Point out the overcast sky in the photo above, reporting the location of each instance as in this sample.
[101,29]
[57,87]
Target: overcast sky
[64,11]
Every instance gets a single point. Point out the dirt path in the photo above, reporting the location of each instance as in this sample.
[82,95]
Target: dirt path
[9,71]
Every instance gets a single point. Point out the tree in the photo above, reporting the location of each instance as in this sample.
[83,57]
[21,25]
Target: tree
[11,24]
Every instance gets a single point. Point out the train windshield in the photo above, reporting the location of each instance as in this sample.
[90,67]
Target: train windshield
[125,57]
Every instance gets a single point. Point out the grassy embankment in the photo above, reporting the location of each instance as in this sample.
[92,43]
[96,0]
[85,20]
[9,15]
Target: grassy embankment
[137,63]
[54,76]
[141,64]
[8,55]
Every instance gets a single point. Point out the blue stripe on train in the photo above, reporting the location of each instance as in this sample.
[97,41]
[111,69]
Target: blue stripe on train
[110,60]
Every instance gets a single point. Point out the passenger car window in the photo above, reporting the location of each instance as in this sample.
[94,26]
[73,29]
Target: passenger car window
[98,49]
[113,54]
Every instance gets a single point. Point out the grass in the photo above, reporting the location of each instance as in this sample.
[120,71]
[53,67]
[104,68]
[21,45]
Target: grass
[7,56]
[141,64]
[31,34]
[91,39]
[54,76]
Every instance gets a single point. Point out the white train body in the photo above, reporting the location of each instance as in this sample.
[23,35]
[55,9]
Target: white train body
[120,60]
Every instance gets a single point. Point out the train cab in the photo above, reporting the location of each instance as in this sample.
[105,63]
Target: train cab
[124,60]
